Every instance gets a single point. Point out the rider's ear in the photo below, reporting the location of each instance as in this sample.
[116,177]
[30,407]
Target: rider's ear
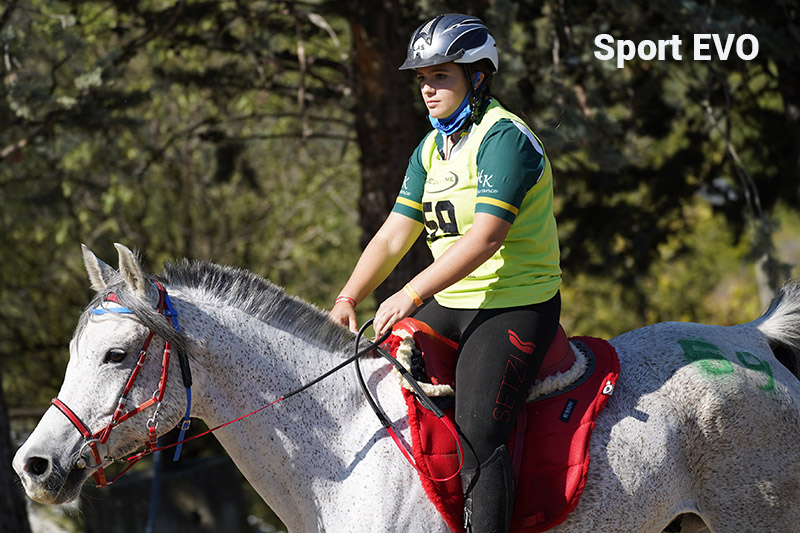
[100,274]
[131,271]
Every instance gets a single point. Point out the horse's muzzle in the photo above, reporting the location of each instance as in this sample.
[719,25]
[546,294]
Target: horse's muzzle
[45,480]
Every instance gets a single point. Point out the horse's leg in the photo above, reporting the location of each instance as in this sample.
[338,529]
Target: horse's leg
[758,500]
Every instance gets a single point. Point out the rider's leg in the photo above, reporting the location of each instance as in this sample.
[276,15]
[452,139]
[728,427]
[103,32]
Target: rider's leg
[500,354]
[489,493]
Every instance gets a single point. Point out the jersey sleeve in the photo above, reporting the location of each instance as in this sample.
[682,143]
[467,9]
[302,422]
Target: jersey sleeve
[510,162]
[409,200]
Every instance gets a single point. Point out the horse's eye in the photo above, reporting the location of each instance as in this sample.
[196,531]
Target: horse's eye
[115,355]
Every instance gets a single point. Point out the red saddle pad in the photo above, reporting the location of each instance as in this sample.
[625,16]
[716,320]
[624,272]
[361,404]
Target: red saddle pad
[552,436]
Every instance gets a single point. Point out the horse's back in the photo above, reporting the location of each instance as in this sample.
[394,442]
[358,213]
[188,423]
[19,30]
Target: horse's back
[704,420]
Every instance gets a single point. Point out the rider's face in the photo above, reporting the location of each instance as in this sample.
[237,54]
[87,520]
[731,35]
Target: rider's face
[443,88]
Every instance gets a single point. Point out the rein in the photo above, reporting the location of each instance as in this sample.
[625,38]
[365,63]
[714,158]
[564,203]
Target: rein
[165,308]
[423,398]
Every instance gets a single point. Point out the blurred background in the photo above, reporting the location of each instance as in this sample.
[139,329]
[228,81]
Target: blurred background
[274,135]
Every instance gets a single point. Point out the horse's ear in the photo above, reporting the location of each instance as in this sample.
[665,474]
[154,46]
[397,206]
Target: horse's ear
[100,274]
[131,271]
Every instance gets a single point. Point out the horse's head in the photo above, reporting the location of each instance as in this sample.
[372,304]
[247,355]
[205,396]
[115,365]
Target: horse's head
[85,428]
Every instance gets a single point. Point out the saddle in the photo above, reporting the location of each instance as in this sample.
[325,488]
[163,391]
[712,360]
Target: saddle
[550,444]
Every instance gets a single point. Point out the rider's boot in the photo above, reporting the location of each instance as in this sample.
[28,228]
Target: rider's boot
[489,494]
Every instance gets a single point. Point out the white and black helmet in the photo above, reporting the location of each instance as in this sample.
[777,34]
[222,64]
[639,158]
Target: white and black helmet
[450,38]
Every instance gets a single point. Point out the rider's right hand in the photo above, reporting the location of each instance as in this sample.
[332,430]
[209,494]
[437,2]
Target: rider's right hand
[345,314]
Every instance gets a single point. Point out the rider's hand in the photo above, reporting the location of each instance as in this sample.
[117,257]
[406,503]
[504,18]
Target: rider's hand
[391,311]
[345,314]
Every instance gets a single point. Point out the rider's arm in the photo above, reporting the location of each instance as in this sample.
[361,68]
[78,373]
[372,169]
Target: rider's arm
[384,251]
[390,243]
[483,239]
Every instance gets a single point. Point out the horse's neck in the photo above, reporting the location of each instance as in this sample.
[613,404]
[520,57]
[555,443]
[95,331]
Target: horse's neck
[305,444]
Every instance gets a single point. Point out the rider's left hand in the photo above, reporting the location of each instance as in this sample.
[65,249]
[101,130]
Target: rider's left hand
[391,311]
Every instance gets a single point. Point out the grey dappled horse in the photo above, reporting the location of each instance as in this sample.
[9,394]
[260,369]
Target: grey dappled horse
[705,420]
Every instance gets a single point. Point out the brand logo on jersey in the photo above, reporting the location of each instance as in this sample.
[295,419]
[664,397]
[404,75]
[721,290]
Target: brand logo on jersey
[485,180]
[440,183]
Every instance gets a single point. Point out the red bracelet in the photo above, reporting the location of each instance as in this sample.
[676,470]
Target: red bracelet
[347,299]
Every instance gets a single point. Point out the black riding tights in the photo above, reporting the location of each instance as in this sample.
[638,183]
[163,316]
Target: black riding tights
[500,352]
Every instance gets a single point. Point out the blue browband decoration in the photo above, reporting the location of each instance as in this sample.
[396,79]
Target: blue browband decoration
[103,310]
[171,313]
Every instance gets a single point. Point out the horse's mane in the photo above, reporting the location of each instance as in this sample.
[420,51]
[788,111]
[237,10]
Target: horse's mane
[257,297]
[238,288]
[781,324]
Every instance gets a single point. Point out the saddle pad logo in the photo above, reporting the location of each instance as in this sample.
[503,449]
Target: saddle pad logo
[569,408]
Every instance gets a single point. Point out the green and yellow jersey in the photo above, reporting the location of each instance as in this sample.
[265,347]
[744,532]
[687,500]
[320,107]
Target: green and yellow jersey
[498,167]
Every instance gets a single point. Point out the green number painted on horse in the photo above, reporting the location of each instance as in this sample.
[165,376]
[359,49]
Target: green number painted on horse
[707,356]
[760,365]
[711,361]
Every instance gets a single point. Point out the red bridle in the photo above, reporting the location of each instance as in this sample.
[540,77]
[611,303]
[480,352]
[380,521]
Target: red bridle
[92,440]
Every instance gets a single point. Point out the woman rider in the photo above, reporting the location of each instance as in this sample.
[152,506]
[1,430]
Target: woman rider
[480,185]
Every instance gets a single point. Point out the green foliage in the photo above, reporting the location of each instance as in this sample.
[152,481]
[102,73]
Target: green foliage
[634,145]
[700,274]
[197,129]
[223,131]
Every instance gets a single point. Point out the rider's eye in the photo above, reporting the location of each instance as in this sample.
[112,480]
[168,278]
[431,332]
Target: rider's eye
[115,355]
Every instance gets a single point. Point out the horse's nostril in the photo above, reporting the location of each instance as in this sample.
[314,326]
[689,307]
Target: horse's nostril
[37,466]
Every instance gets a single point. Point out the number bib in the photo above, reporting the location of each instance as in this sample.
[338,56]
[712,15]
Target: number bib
[526,269]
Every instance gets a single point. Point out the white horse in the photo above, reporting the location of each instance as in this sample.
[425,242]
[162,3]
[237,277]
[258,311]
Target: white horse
[705,420]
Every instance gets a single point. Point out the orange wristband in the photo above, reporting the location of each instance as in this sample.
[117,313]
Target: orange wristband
[409,290]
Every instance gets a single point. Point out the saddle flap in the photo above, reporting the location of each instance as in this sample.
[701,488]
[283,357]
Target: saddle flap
[549,447]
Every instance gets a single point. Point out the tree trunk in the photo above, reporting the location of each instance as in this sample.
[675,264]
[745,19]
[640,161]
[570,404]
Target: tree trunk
[388,125]
[13,513]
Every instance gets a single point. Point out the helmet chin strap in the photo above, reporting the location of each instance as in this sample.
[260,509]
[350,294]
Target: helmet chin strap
[476,92]
[468,109]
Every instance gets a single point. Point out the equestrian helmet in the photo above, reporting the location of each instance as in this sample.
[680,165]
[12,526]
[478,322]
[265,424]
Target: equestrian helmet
[450,38]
